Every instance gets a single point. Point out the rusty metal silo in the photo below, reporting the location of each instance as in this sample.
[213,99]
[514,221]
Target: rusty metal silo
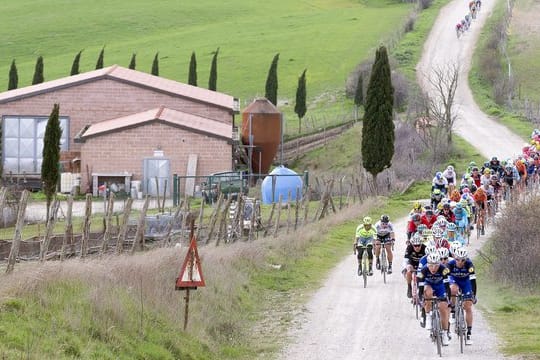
[261,133]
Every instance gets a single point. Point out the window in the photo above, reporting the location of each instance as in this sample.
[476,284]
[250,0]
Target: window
[22,140]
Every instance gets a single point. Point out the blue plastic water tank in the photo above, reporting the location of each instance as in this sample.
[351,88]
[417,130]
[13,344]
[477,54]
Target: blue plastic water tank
[282,186]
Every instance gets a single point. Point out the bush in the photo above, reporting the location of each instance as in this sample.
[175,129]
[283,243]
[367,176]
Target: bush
[424,4]
[515,247]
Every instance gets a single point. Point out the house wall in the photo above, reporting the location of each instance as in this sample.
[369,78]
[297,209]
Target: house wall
[125,150]
[106,99]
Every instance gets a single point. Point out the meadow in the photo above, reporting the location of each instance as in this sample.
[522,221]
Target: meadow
[328,38]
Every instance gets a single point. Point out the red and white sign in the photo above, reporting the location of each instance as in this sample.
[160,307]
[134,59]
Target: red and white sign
[191,275]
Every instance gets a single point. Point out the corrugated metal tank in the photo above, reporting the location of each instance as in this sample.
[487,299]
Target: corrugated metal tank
[262,120]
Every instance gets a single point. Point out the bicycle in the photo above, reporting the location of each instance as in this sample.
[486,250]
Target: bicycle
[363,267]
[460,325]
[436,332]
[480,222]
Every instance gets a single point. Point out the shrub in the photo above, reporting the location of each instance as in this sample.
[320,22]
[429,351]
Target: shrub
[515,242]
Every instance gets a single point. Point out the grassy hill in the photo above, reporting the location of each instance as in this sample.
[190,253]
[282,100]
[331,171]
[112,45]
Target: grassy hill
[328,37]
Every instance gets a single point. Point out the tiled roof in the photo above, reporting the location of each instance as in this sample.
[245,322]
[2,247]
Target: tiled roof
[135,77]
[173,117]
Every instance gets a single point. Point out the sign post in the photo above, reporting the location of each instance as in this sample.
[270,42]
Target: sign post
[191,275]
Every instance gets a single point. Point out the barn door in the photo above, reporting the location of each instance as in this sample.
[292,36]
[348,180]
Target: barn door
[160,168]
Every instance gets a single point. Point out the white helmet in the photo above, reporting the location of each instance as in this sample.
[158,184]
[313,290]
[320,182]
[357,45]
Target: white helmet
[461,253]
[437,232]
[430,249]
[443,252]
[433,258]
[454,246]
[416,239]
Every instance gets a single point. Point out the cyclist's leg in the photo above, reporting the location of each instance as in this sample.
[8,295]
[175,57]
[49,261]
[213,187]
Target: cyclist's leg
[370,257]
[389,254]
[378,252]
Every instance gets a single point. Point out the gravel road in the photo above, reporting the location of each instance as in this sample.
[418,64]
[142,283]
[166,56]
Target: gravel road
[345,321]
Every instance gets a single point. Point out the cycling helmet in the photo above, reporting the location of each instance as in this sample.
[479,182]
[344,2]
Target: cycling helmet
[486,164]
[459,205]
[437,232]
[439,206]
[494,178]
[446,206]
[475,168]
[487,171]
[420,228]
[441,222]
[438,175]
[464,202]
[494,159]
[430,249]
[443,252]
[461,253]
[466,190]
[451,226]
[508,167]
[450,168]
[417,205]
[433,258]
[429,212]
[416,239]
[454,246]
[367,220]
[385,219]
[427,232]
[416,217]
[472,163]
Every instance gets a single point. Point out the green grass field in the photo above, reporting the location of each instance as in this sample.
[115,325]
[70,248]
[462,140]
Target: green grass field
[325,36]
[524,48]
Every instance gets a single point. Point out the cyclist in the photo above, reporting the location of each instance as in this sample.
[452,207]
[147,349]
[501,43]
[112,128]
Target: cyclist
[417,209]
[436,197]
[412,225]
[413,253]
[439,182]
[428,218]
[475,175]
[433,282]
[430,249]
[450,176]
[463,278]
[451,233]
[480,199]
[365,234]
[438,238]
[447,213]
[486,175]
[386,236]
[495,165]
[462,221]
[509,178]
[496,185]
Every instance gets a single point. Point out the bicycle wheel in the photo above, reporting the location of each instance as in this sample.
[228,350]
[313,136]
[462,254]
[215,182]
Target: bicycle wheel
[436,328]
[383,263]
[461,327]
[365,268]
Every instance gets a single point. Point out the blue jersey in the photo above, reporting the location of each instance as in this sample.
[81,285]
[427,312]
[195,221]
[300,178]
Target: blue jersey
[438,281]
[462,276]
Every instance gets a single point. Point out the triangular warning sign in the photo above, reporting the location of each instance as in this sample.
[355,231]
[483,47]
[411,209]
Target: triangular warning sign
[191,275]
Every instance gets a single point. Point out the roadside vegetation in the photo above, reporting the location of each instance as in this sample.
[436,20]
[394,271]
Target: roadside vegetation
[494,89]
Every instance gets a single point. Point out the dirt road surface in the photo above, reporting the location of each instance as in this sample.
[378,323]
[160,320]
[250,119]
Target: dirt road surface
[345,321]
[443,48]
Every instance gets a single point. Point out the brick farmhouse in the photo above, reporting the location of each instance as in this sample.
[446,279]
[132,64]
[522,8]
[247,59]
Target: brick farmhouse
[119,121]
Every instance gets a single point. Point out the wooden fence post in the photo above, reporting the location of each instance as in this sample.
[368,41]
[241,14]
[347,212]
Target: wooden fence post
[138,242]
[296,209]
[44,245]
[201,214]
[68,232]
[269,223]
[289,199]
[86,226]
[122,233]
[306,201]
[15,245]
[278,215]
[224,215]
[108,217]
[213,218]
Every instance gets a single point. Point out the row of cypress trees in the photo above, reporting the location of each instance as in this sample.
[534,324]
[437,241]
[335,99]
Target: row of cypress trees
[39,77]
[271,87]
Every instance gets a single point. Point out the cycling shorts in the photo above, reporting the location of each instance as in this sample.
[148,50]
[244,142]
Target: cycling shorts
[464,285]
[439,290]
[361,241]
[384,238]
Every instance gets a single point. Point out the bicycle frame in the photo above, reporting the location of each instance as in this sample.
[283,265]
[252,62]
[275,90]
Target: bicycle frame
[436,332]
[460,325]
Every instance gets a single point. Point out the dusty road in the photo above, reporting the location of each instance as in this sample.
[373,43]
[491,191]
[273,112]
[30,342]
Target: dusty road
[345,321]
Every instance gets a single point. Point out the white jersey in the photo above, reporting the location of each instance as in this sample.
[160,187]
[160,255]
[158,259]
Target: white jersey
[384,229]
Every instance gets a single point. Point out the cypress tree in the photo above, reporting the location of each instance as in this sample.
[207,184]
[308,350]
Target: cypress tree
[38,72]
[13,76]
[155,65]
[75,65]
[99,63]
[192,80]
[51,156]
[272,81]
[378,126]
[300,106]
[212,81]
[132,62]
